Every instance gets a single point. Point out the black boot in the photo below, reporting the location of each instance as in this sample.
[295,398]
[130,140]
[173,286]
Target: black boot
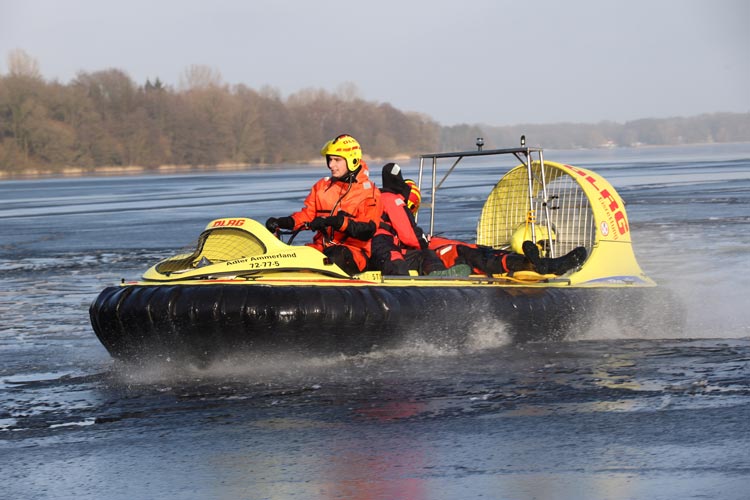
[571,260]
[531,251]
[558,265]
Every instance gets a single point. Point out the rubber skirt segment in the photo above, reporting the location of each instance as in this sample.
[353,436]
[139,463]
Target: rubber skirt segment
[207,321]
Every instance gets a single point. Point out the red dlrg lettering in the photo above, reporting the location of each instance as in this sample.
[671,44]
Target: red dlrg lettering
[229,222]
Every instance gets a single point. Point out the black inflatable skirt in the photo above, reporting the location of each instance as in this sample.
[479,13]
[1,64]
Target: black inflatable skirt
[212,320]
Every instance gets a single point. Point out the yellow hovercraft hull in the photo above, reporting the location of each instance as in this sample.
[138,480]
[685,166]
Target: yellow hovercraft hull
[243,289]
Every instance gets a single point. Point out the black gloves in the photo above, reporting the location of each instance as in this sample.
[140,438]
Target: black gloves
[320,223]
[272,224]
[317,224]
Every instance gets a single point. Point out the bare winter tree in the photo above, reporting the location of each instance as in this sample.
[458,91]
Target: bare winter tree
[199,76]
[22,64]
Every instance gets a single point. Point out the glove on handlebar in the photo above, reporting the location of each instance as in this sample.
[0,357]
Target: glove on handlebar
[273,224]
[320,223]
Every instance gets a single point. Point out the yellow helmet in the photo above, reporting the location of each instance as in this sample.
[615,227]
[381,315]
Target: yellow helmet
[346,147]
[523,233]
[415,196]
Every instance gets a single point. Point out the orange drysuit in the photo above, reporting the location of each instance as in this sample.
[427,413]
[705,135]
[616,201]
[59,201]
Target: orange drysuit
[357,199]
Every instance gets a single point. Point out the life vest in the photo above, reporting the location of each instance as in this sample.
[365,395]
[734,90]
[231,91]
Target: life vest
[447,250]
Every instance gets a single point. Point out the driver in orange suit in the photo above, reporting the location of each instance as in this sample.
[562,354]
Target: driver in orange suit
[344,209]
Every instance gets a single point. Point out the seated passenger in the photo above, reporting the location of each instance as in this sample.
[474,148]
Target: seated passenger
[399,245]
[344,208]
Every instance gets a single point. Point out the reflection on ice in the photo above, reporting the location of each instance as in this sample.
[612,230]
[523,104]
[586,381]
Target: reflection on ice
[74,424]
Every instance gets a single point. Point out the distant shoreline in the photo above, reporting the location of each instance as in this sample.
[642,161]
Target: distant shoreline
[108,171]
[133,170]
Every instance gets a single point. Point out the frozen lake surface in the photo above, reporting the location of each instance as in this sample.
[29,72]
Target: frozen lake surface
[613,413]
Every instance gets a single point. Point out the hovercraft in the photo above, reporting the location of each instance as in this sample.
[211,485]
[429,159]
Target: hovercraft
[242,289]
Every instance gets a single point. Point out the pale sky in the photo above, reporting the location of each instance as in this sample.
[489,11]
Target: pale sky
[499,62]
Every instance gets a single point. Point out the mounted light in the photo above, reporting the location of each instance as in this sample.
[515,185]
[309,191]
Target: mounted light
[480,143]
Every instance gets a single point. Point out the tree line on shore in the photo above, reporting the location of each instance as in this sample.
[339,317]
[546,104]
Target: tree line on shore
[104,118]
